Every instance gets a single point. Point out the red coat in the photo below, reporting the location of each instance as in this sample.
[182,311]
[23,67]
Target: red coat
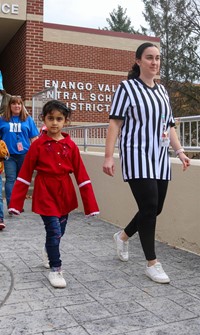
[54,192]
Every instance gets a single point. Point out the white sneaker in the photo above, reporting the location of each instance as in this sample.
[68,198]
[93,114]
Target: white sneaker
[45,258]
[122,247]
[56,279]
[157,274]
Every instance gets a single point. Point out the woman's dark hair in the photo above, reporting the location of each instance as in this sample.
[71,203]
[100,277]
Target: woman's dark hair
[53,105]
[135,71]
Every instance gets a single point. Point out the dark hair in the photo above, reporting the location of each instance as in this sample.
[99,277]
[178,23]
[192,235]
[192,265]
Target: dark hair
[135,71]
[3,91]
[53,105]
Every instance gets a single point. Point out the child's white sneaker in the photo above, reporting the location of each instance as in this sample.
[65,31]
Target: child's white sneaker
[45,258]
[122,247]
[157,274]
[56,279]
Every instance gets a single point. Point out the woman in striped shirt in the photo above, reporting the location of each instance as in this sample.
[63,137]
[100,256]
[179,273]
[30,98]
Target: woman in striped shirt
[142,118]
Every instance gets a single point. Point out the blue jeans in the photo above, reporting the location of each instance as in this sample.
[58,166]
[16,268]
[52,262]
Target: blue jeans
[1,199]
[12,167]
[55,229]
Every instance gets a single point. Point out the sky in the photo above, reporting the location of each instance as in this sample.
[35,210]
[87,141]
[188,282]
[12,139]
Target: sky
[91,13]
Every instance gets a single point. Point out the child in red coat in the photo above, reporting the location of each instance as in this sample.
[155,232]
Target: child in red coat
[54,156]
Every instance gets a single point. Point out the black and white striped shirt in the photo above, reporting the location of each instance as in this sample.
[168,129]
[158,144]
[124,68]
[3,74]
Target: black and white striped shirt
[143,110]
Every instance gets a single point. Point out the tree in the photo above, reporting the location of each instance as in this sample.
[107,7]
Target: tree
[192,16]
[174,22]
[119,21]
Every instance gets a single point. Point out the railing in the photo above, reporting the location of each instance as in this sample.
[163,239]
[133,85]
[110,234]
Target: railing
[189,132]
[94,136]
[89,136]
[38,101]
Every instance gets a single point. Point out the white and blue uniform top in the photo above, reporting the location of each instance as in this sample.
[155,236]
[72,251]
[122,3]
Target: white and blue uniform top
[145,112]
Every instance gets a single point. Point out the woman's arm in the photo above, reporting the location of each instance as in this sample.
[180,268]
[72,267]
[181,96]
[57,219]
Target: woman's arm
[175,143]
[113,132]
[33,139]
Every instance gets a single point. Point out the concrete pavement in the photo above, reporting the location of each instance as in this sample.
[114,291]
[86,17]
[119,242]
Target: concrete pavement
[104,296]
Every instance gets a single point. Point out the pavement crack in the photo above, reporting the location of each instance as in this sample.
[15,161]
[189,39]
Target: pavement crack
[11,284]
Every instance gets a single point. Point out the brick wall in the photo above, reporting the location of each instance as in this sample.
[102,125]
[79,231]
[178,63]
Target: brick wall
[22,59]
[35,7]
[87,57]
[74,97]
[13,60]
[34,58]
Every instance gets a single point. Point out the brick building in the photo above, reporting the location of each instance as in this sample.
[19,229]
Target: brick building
[85,64]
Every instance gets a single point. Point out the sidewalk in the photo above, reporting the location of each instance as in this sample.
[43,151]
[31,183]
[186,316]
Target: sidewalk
[104,296]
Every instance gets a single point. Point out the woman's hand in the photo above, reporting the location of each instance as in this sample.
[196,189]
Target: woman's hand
[109,166]
[185,160]
[111,138]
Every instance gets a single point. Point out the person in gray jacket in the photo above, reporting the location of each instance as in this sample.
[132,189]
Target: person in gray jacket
[4,96]
[4,100]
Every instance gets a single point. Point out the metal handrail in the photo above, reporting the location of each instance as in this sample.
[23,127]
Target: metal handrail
[90,136]
[38,101]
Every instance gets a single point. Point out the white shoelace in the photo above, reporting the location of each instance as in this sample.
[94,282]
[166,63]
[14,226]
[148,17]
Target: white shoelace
[159,268]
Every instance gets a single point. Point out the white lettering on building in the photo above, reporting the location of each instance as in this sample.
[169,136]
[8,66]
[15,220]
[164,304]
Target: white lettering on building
[84,96]
[71,85]
[106,88]
[6,8]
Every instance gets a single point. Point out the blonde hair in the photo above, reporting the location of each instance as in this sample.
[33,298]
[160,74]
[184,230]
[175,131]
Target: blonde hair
[8,114]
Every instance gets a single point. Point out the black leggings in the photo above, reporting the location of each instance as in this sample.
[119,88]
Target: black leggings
[149,195]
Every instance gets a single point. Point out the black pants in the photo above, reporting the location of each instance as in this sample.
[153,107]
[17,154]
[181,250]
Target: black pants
[149,195]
